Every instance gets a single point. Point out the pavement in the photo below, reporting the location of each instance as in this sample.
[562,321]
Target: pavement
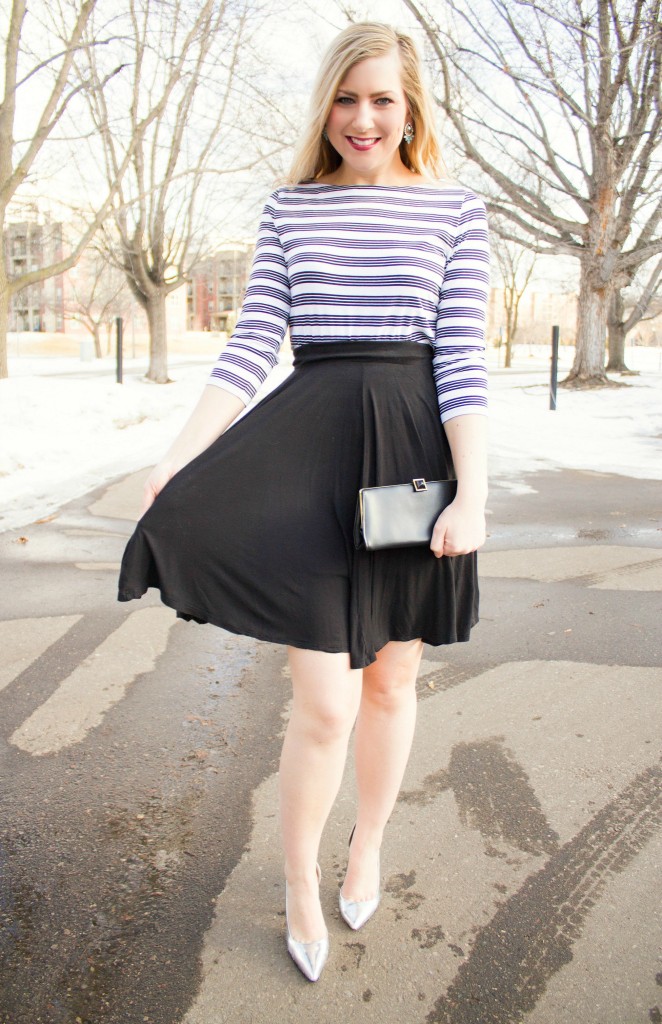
[140,868]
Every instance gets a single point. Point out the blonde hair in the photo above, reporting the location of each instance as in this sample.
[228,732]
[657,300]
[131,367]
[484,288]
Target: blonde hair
[314,155]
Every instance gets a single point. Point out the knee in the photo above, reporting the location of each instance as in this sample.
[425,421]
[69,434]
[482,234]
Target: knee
[391,680]
[326,722]
[388,690]
[326,695]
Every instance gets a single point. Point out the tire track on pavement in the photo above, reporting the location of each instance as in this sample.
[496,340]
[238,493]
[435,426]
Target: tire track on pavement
[531,936]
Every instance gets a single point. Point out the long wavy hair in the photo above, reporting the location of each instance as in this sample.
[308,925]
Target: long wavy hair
[314,156]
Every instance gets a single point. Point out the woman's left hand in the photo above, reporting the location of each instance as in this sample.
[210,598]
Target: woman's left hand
[459,529]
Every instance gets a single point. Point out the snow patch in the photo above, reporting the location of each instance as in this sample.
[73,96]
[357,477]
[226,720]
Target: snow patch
[66,427]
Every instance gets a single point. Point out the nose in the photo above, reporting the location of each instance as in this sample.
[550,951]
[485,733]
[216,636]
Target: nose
[363,121]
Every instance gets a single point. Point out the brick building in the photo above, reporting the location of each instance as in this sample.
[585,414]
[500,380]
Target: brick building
[216,290]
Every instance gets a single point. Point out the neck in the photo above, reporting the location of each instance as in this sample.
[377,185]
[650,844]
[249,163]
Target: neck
[397,175]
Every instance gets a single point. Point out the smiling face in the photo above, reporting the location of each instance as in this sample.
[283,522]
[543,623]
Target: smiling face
[367,119]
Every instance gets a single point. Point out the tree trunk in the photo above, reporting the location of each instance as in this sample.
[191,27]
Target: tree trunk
[513,313]
[509,330]
[588,369]
[617,334]
[509,350]
[4,319]
[155,308]
[96,330]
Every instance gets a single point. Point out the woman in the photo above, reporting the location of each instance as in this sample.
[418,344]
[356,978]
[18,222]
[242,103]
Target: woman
[380,270]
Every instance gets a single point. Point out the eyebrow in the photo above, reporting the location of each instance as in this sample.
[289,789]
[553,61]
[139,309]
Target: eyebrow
[381,92]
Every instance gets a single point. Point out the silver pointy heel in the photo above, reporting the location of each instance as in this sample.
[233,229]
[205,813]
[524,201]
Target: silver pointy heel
[356,913]
[309,957]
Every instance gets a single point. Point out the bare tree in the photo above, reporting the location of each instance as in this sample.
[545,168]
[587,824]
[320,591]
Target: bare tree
[49,74]
[516,265]
[624,316]
[566,91]
[98,294]
[17,157]
[183,61]
[42,59]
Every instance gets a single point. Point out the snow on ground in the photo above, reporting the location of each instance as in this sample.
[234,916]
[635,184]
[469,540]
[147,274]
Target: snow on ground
[66,426]
[615,430]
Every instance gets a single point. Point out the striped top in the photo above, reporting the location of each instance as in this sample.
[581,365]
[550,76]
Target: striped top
[355,262]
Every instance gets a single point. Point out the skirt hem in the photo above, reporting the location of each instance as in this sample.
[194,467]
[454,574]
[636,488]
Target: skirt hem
[202,618]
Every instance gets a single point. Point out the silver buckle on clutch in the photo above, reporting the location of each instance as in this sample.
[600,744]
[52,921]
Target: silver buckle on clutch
[419,484]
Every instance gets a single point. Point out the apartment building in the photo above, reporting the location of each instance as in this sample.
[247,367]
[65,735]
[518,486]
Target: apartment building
[27,245]
[216,290]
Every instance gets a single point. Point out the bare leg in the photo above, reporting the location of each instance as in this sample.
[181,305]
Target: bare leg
[326,695]
[384,733]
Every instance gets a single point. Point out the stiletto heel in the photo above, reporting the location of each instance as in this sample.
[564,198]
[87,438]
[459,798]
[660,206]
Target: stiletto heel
[355,913]
[309,957]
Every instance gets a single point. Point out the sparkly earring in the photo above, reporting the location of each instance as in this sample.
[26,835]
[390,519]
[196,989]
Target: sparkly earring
[409,132]
[324,135]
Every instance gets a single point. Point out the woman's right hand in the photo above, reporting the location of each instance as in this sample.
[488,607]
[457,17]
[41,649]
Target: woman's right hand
[155,483]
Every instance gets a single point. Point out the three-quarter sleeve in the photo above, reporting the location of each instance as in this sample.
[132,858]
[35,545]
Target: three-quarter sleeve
[460,371]
[252,351]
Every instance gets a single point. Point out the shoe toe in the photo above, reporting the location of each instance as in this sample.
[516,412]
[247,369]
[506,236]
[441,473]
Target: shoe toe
[356,913]
[309,957]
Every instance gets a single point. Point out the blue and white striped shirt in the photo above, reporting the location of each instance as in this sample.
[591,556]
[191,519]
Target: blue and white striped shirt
[361,262]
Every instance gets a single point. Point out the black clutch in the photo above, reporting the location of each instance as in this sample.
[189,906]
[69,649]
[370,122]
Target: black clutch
[400,515]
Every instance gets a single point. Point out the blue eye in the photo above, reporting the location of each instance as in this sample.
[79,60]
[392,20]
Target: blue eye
[381,100]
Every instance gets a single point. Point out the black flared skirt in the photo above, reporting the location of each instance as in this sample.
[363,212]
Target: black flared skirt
[256,534]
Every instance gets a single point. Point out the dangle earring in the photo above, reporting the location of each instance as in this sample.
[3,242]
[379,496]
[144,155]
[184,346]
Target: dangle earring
[324,135]
[409,132]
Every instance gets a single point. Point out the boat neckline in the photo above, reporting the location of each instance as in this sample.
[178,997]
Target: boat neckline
[436,186]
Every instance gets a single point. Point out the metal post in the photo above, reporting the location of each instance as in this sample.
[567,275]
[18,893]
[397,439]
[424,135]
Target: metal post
[118,327]
[555,367]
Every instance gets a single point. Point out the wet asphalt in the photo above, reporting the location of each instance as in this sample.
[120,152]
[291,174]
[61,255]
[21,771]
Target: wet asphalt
[118,848]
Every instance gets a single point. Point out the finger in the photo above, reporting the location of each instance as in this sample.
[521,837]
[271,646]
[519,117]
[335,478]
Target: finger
[453,551]
[437,543]
[148,500]
[453,547]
